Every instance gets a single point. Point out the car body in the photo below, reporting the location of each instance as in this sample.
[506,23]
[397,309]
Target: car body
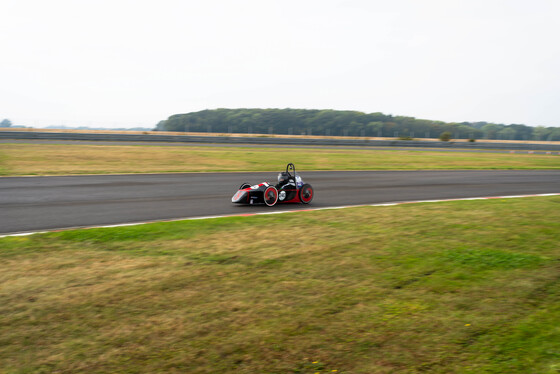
[289,189]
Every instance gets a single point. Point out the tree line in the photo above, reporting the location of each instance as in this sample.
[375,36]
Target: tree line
[344,123]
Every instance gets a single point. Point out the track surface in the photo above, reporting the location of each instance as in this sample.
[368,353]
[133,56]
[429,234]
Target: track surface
[214,145]
[40,203]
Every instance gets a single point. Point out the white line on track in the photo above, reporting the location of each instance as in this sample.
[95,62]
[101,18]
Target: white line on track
[280,212]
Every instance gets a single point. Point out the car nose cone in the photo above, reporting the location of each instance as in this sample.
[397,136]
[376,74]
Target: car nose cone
[239,196]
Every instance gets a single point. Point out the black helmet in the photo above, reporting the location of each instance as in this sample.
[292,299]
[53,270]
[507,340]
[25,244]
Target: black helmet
[283,178]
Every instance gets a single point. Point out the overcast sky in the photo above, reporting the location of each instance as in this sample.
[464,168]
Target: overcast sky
[118,63]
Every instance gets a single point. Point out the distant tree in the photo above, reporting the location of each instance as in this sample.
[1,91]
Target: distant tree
[160,126]
[507,133]
[445,136]
[522,132]
[375,128]
[6,123]
[490,130]
[541,133]
[341,123]
[554,134]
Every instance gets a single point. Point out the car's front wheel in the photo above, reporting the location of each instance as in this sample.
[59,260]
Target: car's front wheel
[270,196]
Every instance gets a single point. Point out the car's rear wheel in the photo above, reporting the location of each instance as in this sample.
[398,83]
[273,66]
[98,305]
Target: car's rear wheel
[270,196]
[306,193]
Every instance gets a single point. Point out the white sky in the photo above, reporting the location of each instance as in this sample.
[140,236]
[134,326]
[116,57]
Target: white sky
[123,63]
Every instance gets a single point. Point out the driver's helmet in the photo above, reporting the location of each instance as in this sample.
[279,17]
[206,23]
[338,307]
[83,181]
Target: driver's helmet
[283,178]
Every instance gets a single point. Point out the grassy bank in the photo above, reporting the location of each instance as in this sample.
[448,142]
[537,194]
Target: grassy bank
[50,159]
[465,287]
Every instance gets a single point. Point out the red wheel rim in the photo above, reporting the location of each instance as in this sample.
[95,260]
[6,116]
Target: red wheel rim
[306,194]
[270,196]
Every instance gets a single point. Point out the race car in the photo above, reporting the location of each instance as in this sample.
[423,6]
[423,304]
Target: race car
[289,189]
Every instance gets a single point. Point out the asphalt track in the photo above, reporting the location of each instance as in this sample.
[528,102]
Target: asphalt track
[226,145]
[44,203]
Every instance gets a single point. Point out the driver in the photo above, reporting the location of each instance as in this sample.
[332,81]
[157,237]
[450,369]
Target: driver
[283,179]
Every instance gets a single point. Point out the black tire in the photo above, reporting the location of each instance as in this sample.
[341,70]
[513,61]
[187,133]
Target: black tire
[306,193]
[270,196]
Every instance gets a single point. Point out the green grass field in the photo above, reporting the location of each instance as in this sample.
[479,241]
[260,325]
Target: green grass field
[454,287]
[52,159]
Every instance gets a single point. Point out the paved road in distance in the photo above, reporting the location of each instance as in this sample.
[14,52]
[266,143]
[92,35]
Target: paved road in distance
[40,203]
[226,145]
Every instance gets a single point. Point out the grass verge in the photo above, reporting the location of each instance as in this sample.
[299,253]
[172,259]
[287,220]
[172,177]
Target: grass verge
[464,287]
[3,163]
[63,159]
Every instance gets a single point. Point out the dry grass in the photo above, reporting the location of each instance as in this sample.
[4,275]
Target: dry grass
[50,159]
[464,287]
